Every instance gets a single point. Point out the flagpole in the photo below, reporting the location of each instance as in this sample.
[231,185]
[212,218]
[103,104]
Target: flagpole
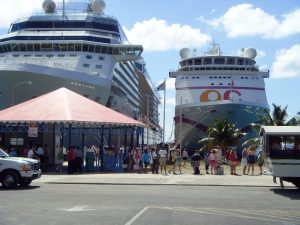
[164,118]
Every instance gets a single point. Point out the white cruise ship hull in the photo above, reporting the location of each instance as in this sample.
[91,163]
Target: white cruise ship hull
[15,89]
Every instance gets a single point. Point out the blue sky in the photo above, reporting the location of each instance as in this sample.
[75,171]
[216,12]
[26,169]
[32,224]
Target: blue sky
[163,27]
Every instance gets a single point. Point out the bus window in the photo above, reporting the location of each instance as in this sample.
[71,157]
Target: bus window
[275,143]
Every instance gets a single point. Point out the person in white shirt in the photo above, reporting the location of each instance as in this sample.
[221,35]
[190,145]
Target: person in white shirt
[163,160]
[30,153]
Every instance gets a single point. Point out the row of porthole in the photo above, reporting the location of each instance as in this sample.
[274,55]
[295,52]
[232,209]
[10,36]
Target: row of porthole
[59,55]
[219,78]
[82,85]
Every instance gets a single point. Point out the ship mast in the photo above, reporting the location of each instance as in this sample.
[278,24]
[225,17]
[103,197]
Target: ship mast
[63,9]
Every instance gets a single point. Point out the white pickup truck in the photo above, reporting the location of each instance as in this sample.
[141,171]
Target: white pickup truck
[16,171]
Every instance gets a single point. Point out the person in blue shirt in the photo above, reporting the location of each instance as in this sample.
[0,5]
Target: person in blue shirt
[13,152]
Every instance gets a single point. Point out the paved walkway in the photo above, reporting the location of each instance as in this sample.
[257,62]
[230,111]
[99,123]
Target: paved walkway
[158,179]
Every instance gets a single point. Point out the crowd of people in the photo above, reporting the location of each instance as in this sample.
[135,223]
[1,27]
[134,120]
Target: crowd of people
[150,158]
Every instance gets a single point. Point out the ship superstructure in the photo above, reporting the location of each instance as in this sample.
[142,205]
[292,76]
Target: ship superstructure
[216,86]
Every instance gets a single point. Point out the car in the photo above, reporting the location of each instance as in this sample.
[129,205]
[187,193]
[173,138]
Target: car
[17,171]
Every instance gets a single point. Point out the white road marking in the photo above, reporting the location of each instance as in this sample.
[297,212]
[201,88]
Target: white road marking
[137,216]
[78,208]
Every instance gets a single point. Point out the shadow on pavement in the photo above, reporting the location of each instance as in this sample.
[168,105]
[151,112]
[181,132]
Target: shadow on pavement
[292,193]
[30,187]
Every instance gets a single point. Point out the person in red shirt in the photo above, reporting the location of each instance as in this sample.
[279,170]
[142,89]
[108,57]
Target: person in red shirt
[71,160]
[233,162]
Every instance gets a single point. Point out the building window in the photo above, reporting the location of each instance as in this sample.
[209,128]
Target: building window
[89,57]
[61,55]
[101,57]
[73,55]
[85,65]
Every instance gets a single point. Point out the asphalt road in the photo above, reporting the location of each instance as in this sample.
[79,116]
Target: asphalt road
[60,204]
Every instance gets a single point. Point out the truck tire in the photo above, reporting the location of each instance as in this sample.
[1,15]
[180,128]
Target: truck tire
[25,182]
[10,179]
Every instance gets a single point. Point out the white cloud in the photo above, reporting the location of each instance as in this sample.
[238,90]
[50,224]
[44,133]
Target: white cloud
[158,35]
[287,63]
[244,20]
[12,9]
[260,54]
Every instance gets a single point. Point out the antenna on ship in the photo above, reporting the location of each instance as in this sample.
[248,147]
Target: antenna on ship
[63,10]
[215,50]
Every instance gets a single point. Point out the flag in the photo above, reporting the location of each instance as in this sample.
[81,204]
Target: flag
[232,83]
[161,87]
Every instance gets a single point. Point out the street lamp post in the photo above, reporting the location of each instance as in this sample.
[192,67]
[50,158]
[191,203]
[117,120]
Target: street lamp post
[13,90]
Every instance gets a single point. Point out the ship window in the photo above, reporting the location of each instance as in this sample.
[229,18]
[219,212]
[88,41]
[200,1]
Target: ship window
[109,50]
[91,48]
[15,47]
[197,77]
[230,61]
[50,56]
[214,68]
[46,47]
[85,65]
[85,48]
[104,49]
[219,60]
[225,68]
[15,55]
[63,47]
[198,61]
[221,84]
[190,62]
[29,47]
[182,78]
[73,55]
[101,58]
[97,49]
[89,57]
[71,47]
[38,55]
[231,68]
[212,84]
[207,61]
[8,48]
[27,55]
[244,68]
[22,47]
[55,47]
[240,61]
[236,68]
[242,77]
[246,77]
[98,66]
[197,68]
[202,68]
[77,47]
[207,68]
[183,63]
[61,55]
[210,77]
[193,77]
[220,77]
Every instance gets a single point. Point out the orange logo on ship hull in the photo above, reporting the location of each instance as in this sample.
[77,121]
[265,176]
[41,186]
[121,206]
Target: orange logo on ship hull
[213,95]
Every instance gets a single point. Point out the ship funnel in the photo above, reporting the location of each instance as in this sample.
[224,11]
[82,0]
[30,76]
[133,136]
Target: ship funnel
[98,6]
[49,6]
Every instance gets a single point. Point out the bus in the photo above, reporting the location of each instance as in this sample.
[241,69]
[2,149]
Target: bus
[281,148]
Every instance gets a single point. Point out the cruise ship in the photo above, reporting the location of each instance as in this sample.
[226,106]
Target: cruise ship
[216,86]
[75,45]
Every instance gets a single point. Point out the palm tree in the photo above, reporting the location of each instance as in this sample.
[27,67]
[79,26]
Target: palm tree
[278,117]
[223,133]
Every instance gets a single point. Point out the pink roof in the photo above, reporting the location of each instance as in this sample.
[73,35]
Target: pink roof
[64,105]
